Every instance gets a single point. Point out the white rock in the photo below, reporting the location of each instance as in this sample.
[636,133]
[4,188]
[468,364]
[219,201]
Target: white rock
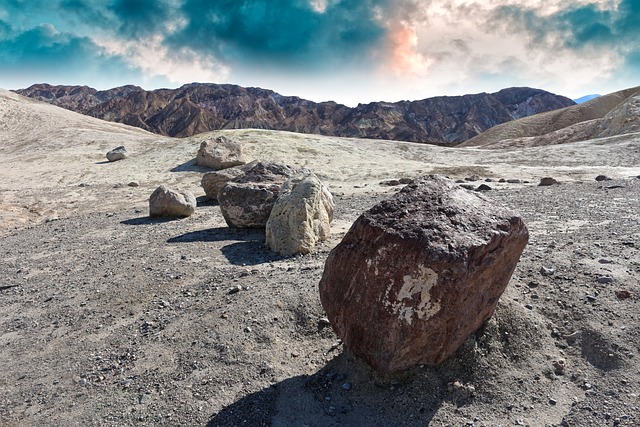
[301,216]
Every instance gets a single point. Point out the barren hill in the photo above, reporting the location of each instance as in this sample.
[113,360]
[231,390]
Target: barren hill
[615,114]
[197,108]
[109,317]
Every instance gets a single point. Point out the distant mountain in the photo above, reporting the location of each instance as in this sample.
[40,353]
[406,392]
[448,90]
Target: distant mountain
[585,98]
[199,107]
[614,114]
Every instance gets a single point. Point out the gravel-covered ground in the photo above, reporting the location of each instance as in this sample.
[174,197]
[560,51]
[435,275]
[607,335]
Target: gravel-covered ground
[118,319]
[108,317]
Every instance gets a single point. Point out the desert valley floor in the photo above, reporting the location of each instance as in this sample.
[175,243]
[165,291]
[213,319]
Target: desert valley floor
[111,318]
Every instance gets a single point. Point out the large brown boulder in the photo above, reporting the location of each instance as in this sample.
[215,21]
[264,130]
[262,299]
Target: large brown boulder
[171,203]
[417,274]
[220,153]
[246,201]
[301,216]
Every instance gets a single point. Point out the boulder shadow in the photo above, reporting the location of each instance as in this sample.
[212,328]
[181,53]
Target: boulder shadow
[204,201]
[146,220]
[220,234]
[249,253]
[343,392]
[104,162]
[248,247]
[191,166]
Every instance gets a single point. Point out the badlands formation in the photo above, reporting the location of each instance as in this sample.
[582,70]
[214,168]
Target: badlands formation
[111,317]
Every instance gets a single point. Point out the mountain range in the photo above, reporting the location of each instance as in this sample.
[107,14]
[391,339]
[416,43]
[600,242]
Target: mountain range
[201,107]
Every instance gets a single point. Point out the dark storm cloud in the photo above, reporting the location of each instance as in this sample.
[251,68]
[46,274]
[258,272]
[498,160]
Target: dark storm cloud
[266,32]
[43,53]
[247,36]
[138,18]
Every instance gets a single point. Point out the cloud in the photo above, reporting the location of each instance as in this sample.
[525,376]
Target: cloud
[140,18]
[577,26]
[43,53]
[299,34]
[153,58]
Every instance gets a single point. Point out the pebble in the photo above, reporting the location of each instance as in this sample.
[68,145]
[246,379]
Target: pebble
[235,290]
[483,187]
[324,321]
[623,294]
[346,386]
[133,184]
[546,181]
[547,271]
[604,280]
[552,401]
[600,178]
[514,181]
[559,366]
[605,261]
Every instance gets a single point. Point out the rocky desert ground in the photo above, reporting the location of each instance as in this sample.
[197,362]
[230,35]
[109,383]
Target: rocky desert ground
[111,318]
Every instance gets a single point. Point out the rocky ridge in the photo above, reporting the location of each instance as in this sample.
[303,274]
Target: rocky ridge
[199,107]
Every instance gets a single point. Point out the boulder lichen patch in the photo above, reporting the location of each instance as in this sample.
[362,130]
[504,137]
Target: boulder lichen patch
[415,286]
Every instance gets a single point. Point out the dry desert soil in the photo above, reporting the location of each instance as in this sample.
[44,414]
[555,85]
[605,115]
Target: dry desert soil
[111,318]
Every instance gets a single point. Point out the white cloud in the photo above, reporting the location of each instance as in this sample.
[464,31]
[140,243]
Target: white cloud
[154,59]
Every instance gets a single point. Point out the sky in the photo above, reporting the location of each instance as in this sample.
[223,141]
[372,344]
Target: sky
[348,51]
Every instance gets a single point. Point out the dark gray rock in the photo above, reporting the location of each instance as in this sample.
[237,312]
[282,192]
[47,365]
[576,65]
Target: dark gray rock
[118,153]
[247,201]
[547,181]
[212,182]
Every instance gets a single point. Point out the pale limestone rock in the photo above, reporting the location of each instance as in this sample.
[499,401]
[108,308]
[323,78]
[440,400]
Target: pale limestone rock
[220,153]
[171,203]
[301,216]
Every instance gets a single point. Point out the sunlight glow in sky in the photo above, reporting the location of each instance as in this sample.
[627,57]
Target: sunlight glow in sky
[348,51]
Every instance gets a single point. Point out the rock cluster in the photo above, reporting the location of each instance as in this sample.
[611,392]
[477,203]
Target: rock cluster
[293,206]
[418,273]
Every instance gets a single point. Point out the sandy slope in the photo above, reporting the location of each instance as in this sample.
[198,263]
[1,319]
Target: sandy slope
[110,318]
[614,114]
